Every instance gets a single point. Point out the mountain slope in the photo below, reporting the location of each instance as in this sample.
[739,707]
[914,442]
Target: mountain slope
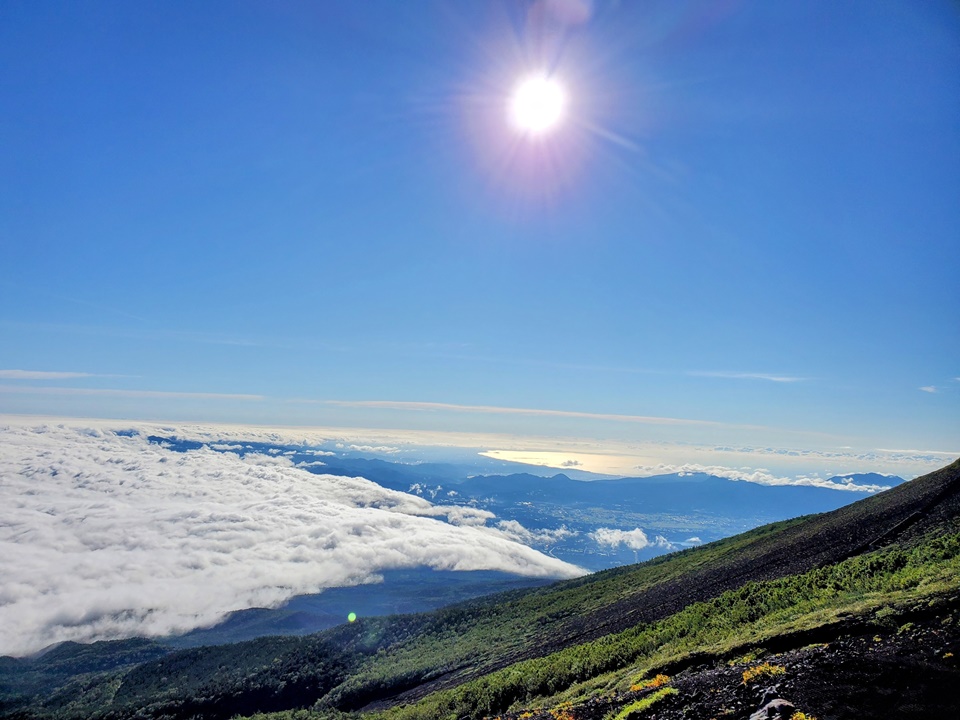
[381,662]
[876,594]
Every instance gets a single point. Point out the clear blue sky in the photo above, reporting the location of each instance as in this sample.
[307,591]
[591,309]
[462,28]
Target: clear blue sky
[750,215]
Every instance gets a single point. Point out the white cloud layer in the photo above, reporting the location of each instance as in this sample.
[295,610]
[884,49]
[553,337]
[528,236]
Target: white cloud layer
[761,476]
[634,539]
[104,536]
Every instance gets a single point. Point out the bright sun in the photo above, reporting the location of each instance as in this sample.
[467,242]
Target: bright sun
[537,104]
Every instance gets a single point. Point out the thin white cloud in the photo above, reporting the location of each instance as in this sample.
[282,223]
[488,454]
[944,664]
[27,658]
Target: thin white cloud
[516,531]
[770,377]
[105,536]
[43,375]
[379,449]
[315,463]
[157,335]
[112,392]
[496,410]
[928,388]
[759,476]
[866,459]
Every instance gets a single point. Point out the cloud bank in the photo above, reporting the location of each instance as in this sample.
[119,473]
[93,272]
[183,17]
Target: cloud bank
[105,536]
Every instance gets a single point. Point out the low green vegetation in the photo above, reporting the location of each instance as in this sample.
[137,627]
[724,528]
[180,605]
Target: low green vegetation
[635,710]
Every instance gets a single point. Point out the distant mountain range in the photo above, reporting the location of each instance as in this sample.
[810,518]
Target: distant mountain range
[674,493]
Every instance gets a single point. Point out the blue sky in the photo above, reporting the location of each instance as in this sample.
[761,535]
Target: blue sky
[242,211]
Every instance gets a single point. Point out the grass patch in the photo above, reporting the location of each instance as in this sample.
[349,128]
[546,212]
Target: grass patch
[636,709]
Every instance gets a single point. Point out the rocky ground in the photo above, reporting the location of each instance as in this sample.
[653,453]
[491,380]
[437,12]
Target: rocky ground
[906,671]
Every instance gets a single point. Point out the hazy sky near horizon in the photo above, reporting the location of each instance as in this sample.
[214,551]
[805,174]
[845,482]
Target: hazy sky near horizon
[745,230]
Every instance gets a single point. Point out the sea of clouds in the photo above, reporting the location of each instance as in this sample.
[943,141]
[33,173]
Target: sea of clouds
[105,535]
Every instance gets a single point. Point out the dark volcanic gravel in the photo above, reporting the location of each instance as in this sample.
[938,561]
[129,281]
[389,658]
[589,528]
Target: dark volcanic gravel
[908,672]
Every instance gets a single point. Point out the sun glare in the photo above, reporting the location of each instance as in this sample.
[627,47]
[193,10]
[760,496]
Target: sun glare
[537,104]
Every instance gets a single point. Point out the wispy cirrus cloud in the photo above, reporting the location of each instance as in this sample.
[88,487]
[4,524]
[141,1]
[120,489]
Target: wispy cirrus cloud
[535,412]
[44,375]
[935,455]
[161,335]
[119,393]
[928,389]
[769,377]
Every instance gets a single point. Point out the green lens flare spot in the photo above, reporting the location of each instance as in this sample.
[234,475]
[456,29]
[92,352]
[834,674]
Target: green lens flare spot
[352,617]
